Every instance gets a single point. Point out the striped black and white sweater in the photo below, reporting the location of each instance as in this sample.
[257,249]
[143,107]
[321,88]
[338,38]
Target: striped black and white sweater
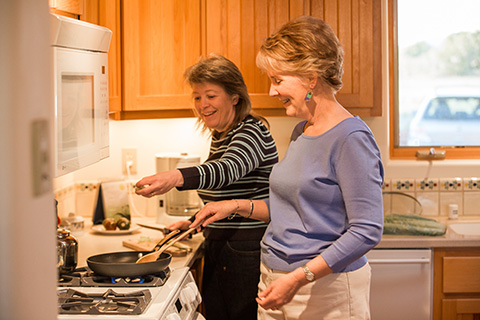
[238,167]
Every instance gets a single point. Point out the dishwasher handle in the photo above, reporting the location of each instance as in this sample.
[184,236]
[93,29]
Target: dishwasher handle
[397,261]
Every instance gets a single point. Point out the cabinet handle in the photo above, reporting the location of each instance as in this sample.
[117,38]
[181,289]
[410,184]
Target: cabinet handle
[401,261]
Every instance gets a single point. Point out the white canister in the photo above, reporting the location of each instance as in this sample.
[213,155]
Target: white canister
[453,211]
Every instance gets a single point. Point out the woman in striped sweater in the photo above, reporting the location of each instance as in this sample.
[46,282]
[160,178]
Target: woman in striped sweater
[242,154]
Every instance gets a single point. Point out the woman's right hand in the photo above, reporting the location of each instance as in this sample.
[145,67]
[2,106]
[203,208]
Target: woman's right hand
[214,211]
[180,225]
[159,183]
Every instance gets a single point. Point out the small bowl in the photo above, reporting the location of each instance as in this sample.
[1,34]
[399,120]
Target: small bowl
[74,223]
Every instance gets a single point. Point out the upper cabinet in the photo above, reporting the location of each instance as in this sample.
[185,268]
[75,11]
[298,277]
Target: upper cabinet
[156,40]
[160,40]
[69,8]
[107,13]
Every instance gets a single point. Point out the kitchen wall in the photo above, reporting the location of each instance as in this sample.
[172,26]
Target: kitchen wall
[27,226]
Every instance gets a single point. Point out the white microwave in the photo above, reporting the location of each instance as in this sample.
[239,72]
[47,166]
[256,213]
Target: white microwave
[80,63]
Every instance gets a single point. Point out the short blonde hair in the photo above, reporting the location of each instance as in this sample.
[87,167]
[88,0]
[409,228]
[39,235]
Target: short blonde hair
[304,47]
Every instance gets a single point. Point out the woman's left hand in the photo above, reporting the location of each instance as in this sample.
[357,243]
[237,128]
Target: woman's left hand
[279,292]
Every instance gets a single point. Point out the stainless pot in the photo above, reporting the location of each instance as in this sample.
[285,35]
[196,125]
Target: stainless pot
[67,251]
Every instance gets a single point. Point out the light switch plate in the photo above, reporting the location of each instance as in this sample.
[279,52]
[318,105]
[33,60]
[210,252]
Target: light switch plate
[40,140]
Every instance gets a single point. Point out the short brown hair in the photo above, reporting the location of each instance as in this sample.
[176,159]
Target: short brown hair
[305,47]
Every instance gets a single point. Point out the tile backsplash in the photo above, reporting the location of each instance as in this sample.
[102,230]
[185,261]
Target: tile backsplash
[436,194]
[81,199]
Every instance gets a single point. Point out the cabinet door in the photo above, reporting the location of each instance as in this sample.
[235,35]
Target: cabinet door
[160,40]
[357,24]
[106,13]
[236,29]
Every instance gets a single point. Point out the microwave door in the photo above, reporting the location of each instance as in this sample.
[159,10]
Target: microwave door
[81,109]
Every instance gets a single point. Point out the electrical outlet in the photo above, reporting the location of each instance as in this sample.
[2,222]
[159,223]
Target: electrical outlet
[129,154]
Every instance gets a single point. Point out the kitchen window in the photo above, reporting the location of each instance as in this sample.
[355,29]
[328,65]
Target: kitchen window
[434,67]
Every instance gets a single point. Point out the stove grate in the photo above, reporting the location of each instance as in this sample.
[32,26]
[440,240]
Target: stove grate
[72,301]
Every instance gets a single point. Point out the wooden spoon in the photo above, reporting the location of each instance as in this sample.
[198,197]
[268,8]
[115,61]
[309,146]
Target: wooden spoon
[154,255]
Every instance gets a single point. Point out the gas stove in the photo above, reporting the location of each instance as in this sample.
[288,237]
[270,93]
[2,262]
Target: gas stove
[171,294]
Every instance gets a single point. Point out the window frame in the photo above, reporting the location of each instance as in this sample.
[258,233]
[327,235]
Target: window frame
[409,153]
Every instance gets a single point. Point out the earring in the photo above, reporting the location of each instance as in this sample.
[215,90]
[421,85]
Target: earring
[309,96]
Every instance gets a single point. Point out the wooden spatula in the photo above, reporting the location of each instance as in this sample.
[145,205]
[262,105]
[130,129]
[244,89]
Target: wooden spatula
[154,255]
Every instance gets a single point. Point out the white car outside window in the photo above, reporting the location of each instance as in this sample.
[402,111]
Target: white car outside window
[449,117]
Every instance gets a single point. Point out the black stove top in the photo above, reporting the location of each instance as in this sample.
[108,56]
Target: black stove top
[84,277]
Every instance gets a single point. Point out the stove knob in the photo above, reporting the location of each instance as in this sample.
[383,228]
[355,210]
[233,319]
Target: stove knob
[193,286]
[187,295]
[173,316]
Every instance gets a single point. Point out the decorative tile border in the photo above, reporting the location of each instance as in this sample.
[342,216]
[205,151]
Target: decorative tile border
[403,185]
[436,194]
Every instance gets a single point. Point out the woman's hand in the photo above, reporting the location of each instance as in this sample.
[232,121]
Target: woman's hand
[214,211]
[279,292]
[159,183]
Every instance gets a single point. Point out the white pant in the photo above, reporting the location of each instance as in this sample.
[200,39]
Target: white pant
[337,296]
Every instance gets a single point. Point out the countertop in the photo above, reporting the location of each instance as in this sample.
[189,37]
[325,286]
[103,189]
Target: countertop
[449,240]
[91,243]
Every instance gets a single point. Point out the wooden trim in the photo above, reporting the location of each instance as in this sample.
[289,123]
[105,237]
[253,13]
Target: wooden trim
[182,113]
[408,153]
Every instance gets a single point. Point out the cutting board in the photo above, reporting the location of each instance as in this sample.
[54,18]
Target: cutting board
[147,244]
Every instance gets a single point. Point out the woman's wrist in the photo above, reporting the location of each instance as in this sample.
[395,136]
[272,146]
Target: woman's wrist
[243,208]
[179,179]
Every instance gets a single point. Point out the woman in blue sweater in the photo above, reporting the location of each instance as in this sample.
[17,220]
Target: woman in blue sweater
[325,205]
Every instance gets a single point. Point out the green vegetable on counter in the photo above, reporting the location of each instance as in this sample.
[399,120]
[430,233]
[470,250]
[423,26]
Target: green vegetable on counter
[123,224]
[403,224]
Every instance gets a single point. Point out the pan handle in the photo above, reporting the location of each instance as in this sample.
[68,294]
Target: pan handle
[166,239]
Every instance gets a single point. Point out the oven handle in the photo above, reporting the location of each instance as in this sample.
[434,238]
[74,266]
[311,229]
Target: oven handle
[396,261]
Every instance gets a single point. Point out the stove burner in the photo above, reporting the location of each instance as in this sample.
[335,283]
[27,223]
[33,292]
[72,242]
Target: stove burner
[71,301]
[84,277]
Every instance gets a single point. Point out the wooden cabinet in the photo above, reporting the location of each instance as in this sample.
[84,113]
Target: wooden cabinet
[155,41]
[70,8]
[107,13]
[357,24]
[456,292]
[160,40]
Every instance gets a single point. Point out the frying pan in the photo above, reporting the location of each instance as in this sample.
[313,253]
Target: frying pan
[123,264]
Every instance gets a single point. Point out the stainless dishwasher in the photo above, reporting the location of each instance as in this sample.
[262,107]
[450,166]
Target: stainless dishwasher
[401,286]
